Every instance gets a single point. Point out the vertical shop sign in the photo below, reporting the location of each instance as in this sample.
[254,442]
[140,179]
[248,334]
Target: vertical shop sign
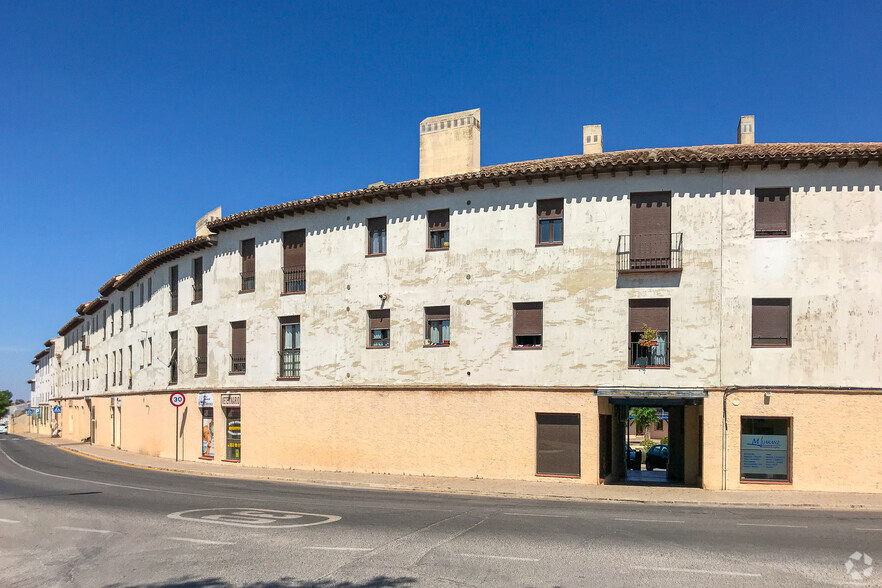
[205,401]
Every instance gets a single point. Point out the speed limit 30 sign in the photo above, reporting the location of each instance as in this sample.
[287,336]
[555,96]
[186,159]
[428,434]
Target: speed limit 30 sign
[177,399]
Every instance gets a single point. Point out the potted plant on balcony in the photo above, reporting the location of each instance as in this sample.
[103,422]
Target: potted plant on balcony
[649,337]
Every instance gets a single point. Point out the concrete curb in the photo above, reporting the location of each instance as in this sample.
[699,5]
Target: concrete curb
[850,507]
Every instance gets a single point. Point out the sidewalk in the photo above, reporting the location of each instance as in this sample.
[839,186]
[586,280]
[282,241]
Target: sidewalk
[544,490]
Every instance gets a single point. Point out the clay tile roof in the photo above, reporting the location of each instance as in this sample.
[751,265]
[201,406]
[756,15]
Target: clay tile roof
[642,159]
[48,343]
[69,325]
[169,253]
[109,286]
[93,305]
[40,355]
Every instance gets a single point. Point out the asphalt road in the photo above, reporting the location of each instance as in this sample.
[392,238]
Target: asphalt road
[67,520]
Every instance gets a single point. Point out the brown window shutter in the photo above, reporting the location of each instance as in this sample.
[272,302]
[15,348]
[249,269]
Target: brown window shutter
[772,211]
[238,338]
[294,248]
[248,255]
[558,444]
[173,279]
[550,208]
[771,321]
[378,319]
[655,313]
[651,213]
[439,220]
[202,342]
[197,270]
[437,313]
[528,318]
[377,224]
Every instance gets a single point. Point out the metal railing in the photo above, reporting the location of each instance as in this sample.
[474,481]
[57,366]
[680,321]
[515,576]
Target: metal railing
[247,281]
[293,279]
[173,296]
[237,364]
[201,366]
[652,252]
[649,356]
[289,363]
[197,292]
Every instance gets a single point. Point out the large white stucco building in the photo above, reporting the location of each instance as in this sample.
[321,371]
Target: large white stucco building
[489,321]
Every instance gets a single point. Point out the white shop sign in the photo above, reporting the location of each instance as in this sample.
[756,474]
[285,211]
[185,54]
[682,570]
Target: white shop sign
[764,454]
[205,399]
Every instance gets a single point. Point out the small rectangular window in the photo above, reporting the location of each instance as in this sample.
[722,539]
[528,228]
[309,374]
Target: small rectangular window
[150,350]
[289,347]
[197,280]
[772,212]
[237,345]
[527,325]
[122,313]
[771,322]
[132,308]
[141,294]
[558,445]
[765,449]
[246,249]
[173,358]
[646,315]
[376,235]
[378,328]
[437,326]
[201,351]
[149,289]
[549,219]
[439,229]
[294,261]
[173,289]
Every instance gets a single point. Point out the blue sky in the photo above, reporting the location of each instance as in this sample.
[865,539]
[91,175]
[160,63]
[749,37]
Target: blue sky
[121,123]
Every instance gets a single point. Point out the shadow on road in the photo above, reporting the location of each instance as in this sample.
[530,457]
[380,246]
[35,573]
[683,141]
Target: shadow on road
[188,582]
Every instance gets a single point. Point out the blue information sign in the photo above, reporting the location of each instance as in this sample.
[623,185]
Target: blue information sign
[56,409]
[37,410]
[29,411]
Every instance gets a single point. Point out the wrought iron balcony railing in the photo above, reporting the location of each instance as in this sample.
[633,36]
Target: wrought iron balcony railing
[650,253]
[289,363]
[201,366]
[173,297]
[197,292]
[237,364]
[641,356]
[293,279]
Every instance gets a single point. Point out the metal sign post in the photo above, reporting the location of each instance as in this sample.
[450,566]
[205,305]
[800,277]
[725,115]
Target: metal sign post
[177,400]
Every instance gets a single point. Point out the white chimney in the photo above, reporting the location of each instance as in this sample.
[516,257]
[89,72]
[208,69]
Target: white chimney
[592,139]
[202,223]
[450,144]
[746,130]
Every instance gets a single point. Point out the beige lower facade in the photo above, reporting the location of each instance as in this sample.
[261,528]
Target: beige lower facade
[495,433]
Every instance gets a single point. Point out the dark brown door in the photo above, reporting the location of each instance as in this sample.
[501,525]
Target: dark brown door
[651,230]
[605,432]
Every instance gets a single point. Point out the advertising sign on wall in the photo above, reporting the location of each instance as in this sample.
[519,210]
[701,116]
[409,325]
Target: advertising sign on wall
[205,399]
[231,400]
[764,456]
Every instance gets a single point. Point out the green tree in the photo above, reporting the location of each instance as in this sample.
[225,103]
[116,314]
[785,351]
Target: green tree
[644,418]
[5,401]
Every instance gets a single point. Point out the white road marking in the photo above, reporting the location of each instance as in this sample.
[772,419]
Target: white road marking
[11,521]
[694,571]
[84,530]
[528,514]
[338,548]
[497,557]
[772,525]
[855,529]
[649,521]
[201,541]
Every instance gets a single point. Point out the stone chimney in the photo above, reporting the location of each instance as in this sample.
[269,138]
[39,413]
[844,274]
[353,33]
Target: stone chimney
[746,130]
[592,139]
[450,144]
[202,223]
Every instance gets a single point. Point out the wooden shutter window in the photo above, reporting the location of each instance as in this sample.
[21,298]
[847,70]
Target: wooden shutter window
[550,208]
[437,313]
[202,342]
[294,248]
[439,220]
[771,322]
[378,319]
[651,213]
[558,445]
[247,249]
[772,212]
[655,313]
[238,338]
[377,224]
[528,318]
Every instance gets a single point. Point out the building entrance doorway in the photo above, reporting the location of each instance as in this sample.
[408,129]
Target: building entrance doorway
[650,437]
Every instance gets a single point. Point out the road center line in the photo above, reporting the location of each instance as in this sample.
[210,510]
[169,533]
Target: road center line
[772,525]
[529,514]
[497,557]
[84,530]
[11,521]
[695,571]
[338,548]
[855,529]
[201,541]
[649,521]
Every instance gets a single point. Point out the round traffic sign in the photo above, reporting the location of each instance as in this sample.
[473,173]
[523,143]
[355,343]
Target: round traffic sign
[177,399]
